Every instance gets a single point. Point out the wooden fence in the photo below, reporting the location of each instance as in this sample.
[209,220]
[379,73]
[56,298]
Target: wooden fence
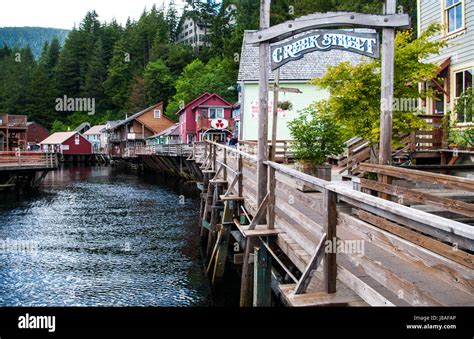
[409,257]
[20,159]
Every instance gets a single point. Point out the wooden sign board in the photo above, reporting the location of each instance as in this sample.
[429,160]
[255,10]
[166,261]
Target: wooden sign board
[367,44]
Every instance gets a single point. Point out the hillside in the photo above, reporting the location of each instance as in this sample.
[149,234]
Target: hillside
[33,36]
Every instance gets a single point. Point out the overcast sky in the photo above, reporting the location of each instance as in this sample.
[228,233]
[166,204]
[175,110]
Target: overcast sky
[66,13]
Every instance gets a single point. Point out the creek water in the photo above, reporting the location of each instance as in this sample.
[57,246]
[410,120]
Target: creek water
[96,236]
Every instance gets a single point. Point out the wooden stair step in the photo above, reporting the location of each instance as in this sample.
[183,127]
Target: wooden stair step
[259,231]
[343,296]
[231,197]
[218,181]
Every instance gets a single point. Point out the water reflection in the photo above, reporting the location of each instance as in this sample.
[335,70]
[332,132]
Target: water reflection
[104,239]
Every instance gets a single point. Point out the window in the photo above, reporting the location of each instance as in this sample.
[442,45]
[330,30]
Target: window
[204,113]
[157,113]
[453,15]
[463,84]
[77,139]
[216,113]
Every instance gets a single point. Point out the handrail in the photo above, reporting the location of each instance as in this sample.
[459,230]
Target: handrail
[298,175]
[28,158]
[416,175]
[450,226]
[432,220]
[236,151]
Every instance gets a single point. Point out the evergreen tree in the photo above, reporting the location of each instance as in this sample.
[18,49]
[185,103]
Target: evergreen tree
[137,100]
[117,84]
[159,82]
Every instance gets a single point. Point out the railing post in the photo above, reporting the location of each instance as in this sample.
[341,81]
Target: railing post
[330,223]
[240,166]
[271,196]
[225,164]
[214,157]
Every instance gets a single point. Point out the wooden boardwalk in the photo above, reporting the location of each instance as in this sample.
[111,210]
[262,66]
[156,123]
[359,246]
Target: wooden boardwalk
[25,169]
[15,161]
[387,253]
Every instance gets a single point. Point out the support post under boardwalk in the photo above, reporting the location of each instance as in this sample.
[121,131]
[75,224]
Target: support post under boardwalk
[262,292]
[330,223]
[221,255]
[246,286]
[386,103]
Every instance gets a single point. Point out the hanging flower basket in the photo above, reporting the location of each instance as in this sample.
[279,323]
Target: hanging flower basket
[285,105]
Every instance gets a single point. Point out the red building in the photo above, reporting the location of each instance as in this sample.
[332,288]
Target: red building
[66,143]
[36,133]
[209,116]
[13,131]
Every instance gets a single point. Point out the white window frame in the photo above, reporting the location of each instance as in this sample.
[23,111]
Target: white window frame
[445,16]
[454,92]
[157,116]
[219,113]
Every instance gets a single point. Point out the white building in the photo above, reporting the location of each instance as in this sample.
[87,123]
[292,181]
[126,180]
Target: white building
[97,136]
[296,74]
[456,60]
[193,33]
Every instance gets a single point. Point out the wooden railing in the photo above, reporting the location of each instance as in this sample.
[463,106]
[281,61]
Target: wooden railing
[174,150]
[283,152]
[435,193]
[403,245]
[9,120]
[20,159]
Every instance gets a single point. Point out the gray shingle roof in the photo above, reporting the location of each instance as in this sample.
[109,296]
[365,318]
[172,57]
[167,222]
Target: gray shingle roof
[312,65]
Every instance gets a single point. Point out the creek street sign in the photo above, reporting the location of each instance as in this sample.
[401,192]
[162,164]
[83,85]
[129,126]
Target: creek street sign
[367,44]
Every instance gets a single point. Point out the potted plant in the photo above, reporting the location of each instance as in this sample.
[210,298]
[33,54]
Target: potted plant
[454,140]
[316,137]
[467,136]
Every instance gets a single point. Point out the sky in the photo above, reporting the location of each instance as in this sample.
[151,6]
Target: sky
[66,13]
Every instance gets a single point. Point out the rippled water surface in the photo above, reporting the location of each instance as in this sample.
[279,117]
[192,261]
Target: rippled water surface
[97,237]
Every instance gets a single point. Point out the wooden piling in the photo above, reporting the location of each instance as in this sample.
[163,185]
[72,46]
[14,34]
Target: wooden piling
[246,295]
[262,291]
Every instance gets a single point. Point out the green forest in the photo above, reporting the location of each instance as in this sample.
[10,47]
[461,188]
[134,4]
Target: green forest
[35,37]
[126,68]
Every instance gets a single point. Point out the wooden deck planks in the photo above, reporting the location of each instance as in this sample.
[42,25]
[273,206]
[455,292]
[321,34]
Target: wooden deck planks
[393,270]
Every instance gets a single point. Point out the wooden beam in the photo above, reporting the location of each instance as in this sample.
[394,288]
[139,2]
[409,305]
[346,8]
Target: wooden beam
[221,255]
[420,197]
[366,292]
[262,149]
[386,104]
[271,198]
[262,293]
[423,176]
[329,224]
[262,210]
[434,221]
[246,287]
[419,239]
[321,184]
[277,89]
[445,236]
[313,265]
[329,19]
[275,116]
